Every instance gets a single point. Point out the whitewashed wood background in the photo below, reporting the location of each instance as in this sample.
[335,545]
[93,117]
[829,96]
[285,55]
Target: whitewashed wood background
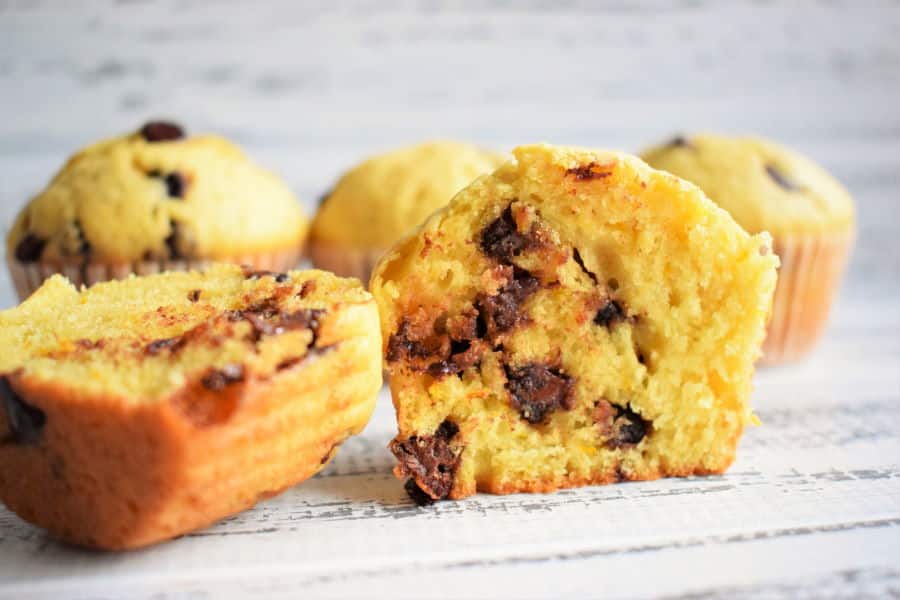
[812,506]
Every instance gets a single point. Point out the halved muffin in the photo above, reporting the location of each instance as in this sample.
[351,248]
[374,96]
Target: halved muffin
[574,318]
[139,410]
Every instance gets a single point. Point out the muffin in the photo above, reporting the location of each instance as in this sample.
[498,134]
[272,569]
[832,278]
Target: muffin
[384,198]
[575,318]
[767,187]
[136,411]
[152,201]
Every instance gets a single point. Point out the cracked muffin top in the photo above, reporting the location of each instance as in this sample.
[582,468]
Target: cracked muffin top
[158,194]
[765,186]
[382,199]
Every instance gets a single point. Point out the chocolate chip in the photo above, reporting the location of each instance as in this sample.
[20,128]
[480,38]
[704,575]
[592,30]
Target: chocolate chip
[279,277]
[175,182]
[161,131]
[25,421]
[442,368]
[447,430]
[157,346]
[463,355]
[30,248]
[407,343]
[576,256]
[429,460]
[268,322]
[631,430]
[172,241]
[628,428]
[459,346]
[194,295]
[84,246]
[622,426]
[501,312]
[218,379]
[679,142]
[610,314]
[536,390]
[287,363]
[175,185]
[502,240]
[587,172]
[781,179]
[417,494]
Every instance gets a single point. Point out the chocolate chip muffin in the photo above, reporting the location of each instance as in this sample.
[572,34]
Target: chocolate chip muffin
[767,187]
[154,200]
[379,201]
[135,411]
[575,318]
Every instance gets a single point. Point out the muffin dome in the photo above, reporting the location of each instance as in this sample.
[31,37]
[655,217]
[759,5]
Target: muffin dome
[158,194]
[382,199]
[765,186]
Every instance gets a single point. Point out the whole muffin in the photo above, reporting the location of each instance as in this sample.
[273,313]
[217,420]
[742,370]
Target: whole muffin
[379,201]
[150,201]
[811,216]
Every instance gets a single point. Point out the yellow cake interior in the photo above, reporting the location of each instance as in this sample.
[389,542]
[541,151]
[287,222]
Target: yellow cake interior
[638,308]
[143,338]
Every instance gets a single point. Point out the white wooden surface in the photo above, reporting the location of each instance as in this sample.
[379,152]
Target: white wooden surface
[812,506]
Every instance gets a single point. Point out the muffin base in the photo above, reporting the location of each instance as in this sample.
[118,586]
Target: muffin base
[344,261]
[810,274]
[172,476]
[28,277]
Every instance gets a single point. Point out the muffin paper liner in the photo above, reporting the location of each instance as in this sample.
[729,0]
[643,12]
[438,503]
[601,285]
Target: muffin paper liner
[810,274]
[343,261]
[28,277]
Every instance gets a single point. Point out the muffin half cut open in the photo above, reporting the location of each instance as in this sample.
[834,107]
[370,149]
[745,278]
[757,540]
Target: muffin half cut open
[574,318]
[139,410]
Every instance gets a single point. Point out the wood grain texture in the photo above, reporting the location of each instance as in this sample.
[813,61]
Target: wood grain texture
[812,506]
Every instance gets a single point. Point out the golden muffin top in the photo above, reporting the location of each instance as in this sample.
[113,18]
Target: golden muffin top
[765,186]
[380,200]
[158,194]
[144,337]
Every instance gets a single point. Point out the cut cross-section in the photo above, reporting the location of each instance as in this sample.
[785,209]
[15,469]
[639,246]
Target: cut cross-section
[579,318]
[139,410]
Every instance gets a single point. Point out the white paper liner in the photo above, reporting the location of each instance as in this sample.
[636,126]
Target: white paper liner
[808,280]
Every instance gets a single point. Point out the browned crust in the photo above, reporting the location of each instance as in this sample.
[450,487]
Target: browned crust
[116,473]
[808,280]
[28,277]
[344,261]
